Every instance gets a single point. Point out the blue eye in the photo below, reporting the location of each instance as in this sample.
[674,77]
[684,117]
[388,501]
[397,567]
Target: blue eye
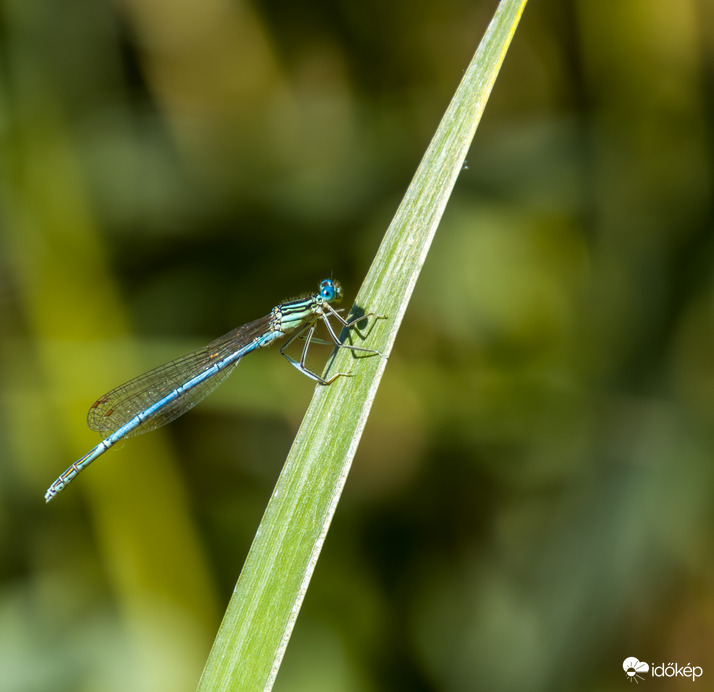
[330,291]
[327,290]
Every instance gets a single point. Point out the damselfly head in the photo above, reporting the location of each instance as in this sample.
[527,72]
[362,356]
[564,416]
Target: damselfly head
[331,291]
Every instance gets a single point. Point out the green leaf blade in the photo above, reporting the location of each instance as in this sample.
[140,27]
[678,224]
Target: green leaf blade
[262,612]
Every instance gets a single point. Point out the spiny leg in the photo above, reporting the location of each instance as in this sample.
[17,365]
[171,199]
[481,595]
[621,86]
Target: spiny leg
[300,365]
[348,324]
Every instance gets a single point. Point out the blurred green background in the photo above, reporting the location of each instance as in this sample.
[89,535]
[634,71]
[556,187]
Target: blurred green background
[533,498]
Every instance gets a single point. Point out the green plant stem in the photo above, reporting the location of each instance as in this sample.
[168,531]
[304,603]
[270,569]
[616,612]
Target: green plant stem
[251,641]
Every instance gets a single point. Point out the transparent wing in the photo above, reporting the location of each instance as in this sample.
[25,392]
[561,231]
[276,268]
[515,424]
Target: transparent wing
[122,404]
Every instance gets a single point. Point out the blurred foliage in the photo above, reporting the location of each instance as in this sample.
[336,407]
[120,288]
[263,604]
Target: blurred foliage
[532,500]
